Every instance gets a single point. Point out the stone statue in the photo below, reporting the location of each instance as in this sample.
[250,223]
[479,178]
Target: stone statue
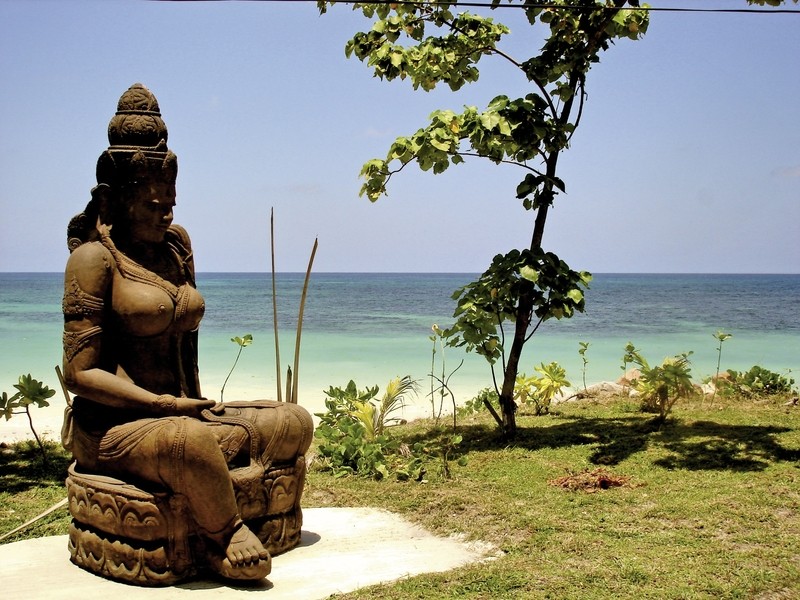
[165,483]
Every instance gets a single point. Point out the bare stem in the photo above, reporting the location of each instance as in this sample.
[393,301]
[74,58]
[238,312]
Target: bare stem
[275,305]
[293,398]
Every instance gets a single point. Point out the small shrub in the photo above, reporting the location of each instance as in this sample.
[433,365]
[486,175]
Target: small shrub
[446,447]
[663,385]
[352,436]
[539,391]
[758,381]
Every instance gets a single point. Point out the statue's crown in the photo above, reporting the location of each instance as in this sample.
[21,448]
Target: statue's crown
[138,141]
[138,120]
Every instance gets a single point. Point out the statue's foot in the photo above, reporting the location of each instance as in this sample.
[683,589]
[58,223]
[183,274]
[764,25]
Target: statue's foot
[245,557]
[250,572]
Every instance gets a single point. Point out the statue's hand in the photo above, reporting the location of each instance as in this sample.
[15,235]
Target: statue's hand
[192,407]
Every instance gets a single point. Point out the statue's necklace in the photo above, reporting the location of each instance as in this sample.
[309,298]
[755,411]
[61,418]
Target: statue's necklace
[134,271]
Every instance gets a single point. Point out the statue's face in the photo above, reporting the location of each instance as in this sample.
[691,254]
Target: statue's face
[150,210]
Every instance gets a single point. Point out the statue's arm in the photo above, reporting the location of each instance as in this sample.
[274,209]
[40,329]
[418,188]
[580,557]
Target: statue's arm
[89,367]
[87,370]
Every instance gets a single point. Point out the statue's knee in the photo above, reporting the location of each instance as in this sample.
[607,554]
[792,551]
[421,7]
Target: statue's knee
[304,423]
[200,444]
[299,430]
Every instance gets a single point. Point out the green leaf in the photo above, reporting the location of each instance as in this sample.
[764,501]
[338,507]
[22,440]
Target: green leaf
[575,295]
[243,341]
[397,58]
[32,391]
[443,146]
[529,274]
[490,120]
[8,404]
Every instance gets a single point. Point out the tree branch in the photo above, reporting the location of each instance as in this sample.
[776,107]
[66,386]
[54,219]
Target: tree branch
[530,335]
[503,161]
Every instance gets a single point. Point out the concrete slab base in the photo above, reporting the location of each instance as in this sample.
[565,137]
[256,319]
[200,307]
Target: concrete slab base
[342,549]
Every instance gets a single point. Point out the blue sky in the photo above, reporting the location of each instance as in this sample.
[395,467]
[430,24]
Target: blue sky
[687,160]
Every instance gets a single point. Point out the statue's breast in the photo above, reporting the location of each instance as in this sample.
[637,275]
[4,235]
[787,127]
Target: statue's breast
[189,308]
[143,310]
[147,305]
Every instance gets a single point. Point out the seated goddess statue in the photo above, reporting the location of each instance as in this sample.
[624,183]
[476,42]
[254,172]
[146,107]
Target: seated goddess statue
[131,317]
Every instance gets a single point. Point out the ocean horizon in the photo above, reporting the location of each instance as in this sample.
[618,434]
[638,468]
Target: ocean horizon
[371,327]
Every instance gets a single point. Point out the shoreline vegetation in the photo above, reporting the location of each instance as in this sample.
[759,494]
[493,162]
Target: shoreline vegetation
[593,501]
[48,420]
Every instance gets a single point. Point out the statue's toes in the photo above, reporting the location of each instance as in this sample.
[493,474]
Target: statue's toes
[241,571]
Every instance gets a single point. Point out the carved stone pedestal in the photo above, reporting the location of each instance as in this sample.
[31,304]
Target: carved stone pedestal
[147,536]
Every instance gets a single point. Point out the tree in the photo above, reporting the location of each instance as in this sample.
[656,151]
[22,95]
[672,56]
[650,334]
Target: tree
[523,287]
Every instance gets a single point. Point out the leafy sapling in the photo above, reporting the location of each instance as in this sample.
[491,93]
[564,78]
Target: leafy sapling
[29,392]
[243,342]
[582,348]
[440,384]
[631,353]
[720,336]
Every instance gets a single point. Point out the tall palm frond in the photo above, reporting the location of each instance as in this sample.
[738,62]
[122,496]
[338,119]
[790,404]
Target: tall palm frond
[393,400]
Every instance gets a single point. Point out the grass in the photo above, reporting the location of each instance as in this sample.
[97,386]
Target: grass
[29,486]
[709,505]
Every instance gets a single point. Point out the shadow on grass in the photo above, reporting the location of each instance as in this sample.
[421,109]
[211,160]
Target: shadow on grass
[698,445]
[22,468]
[706,445]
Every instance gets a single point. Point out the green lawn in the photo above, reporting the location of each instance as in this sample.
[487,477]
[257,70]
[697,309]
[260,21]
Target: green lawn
[709,505]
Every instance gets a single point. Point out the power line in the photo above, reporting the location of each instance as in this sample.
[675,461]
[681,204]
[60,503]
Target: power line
[755,11]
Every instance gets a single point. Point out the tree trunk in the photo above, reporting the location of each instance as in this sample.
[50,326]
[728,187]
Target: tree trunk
[524,311]
[507,404]
[523,320]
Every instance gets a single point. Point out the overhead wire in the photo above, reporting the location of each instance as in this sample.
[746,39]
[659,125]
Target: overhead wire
[766,10]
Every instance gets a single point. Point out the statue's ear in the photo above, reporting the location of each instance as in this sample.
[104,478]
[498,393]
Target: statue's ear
[103,203]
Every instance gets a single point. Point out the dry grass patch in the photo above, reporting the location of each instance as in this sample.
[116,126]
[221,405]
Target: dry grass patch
[591,481]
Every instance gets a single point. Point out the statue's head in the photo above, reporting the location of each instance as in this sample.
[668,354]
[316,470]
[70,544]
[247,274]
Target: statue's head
[137,168]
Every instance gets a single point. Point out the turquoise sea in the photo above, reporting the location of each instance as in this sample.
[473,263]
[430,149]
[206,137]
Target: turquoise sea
[372,327]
